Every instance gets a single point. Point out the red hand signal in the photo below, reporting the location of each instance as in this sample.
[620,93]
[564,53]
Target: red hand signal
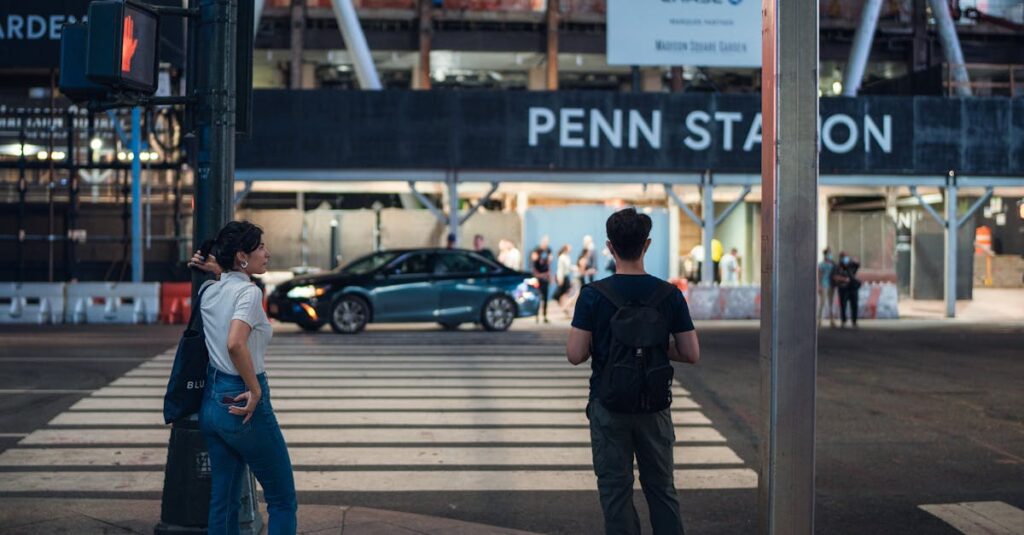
[128,44]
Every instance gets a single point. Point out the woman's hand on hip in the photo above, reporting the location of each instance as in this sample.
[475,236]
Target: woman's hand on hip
[251,400]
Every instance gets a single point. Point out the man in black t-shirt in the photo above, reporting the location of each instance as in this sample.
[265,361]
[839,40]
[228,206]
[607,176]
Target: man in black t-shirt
[540,263]
[616,437]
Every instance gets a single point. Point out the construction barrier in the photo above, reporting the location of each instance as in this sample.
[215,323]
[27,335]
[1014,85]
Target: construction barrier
[32,302]
[875,301]
[175,302]
[105,302]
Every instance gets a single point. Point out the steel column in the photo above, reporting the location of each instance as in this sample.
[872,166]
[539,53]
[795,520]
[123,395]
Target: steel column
[951,246]
[789,195]
[298,31]
[453,207]
[860,51]
[136,194]
[552,44]
[951,46]
[707,266]
[355,43]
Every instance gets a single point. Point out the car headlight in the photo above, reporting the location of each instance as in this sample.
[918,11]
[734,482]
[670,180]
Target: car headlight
[307,292]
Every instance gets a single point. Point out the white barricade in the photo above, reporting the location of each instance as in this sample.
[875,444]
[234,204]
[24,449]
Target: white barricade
[875,301]
[103,302]
[32,302]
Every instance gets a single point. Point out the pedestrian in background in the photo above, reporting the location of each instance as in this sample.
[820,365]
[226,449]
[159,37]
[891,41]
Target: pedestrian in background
[587,261]
[478,246]
[643,430]
[509,255]
[237,419]
[826,290]
[540,263]
[563,276]
[730,266]
[844,276]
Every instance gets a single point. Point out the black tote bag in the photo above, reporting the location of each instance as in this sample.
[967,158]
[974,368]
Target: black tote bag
[184,394]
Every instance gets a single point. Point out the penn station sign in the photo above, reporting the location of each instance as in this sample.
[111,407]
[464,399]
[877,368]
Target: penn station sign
[628,132]
[728,130]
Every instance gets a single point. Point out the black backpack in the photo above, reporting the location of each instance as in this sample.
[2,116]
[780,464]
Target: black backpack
[637,377]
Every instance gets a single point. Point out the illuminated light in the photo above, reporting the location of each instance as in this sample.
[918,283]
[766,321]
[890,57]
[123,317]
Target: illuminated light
[57,155]
[153,155]
[320,292]
[121,155]
[144,156]
[837,87]
[302,292]
[96,143]
[42,155]
[310,311]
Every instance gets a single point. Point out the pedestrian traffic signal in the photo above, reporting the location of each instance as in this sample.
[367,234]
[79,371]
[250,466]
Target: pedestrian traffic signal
[122,49]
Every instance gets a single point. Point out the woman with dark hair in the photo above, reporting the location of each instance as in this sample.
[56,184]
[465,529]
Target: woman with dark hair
[563,275]
[237,418]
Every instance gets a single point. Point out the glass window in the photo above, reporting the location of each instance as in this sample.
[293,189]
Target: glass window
[412,264]
[369,263]
[462,264]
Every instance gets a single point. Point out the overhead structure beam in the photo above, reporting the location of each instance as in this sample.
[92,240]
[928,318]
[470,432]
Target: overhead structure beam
[453,208]
[732,206]
[789,196]
[927,207]
[355,43]
[298,32]
[951,47]
[438,214]
[860,51]
[476,206]
[426,23]
[683,206]
[552,20]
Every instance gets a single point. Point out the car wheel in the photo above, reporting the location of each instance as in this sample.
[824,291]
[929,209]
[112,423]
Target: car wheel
[450,326]
[311,327]
[498,313]
[350,314]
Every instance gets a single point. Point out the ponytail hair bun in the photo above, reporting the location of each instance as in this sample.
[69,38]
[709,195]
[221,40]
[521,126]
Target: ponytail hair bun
[235,237]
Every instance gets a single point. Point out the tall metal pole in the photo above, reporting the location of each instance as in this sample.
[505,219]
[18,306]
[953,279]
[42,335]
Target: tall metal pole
[861,48]
[215,125]
[552,44]
[707,265]
[952,229]
[298,16]
[136,194]
[789,166]
[951,46]
[355,43]
[453,206]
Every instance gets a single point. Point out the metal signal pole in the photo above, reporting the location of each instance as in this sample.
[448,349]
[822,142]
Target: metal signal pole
[789,342]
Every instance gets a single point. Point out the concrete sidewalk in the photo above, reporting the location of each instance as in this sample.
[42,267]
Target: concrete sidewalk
[34,516]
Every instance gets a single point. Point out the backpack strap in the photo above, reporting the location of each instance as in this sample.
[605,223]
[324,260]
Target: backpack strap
[663,292]
[604,288]
[196,317]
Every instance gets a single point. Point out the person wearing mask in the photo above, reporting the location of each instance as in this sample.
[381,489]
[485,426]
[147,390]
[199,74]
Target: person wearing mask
[540,264]
[826,290]
[237,419]
[563,275]
[844,277]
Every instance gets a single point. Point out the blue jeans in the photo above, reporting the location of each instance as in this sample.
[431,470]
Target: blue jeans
[232,445]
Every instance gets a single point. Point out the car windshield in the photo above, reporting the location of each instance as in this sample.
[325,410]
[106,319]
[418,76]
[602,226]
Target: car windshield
[369,263]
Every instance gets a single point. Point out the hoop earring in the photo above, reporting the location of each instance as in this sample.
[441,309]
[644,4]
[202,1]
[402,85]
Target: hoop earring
[244,264]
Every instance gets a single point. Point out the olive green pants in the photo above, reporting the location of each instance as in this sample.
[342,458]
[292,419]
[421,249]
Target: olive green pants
[615,440]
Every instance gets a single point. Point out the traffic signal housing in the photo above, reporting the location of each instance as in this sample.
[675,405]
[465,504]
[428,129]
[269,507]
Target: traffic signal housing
[122,45]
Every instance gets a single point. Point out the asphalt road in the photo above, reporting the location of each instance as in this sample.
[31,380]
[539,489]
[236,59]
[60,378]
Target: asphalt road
[908,414]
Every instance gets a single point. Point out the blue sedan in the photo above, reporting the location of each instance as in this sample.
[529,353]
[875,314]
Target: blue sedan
[447,286]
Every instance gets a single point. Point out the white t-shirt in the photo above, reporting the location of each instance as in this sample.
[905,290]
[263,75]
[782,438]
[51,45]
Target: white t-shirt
[234,297]
[564,268]
[513,259]
[730,268]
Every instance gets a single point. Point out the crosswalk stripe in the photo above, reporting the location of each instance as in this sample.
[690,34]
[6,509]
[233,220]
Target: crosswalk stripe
[422,419]
[538,382]
[281,392]
[379,481]
[415,404]
[274,374]
[337,436]
[980,518]
[360,456]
